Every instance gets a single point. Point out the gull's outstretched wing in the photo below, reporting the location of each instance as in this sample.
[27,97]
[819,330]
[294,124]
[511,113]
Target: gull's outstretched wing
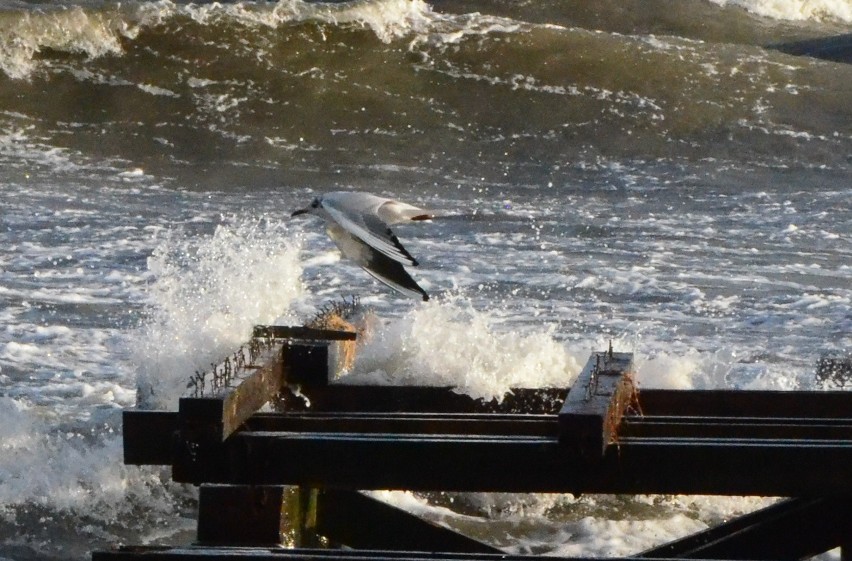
[377,264]
[358,214]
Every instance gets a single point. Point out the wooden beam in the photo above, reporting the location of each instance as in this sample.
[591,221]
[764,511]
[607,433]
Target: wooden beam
[348,397]
[789,428]
[791,529]
[216,417]
[746,403]
[499,463]
[189,553]
[596,403]
[149,437]
[300,332]
[205,422]
[241,515]
[406,423]
[309,364]
[359,521]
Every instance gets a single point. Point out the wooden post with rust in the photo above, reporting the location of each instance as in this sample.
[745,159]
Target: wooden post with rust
[596,403]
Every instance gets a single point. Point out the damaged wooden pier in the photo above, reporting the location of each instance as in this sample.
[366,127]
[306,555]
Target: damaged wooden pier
[292,477]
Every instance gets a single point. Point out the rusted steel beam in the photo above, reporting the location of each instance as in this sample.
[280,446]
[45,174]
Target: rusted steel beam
[356,520]
[792,529]
[596,403]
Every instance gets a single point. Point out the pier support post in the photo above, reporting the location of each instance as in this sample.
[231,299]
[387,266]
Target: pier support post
[596,403]
[241,515]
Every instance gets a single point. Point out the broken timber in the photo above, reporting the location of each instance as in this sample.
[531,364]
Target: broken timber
[602,436]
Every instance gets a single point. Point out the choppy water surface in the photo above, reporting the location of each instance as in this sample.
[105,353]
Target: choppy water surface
[662,175]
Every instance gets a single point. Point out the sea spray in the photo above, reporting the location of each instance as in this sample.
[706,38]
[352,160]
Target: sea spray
[448,343]
[53,476]
[206,296]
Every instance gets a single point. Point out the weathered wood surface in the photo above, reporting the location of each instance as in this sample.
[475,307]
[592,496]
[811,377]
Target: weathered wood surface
[216,417]
[596,403]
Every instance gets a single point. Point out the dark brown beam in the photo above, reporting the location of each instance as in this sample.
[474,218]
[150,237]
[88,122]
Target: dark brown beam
[407,423]
[531,464]
[737,403]
[346,397]
[362,522]
[241,515]
[598,399]
[149,437]
[300,332]
[791,529]
[735,427]
[164,553]
[216,417]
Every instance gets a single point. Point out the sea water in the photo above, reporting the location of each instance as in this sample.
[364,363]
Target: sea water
[658,175]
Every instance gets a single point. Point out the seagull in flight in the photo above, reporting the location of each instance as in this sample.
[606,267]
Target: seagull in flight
[359,224]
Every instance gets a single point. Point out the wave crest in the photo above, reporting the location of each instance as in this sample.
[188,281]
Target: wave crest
[796,10]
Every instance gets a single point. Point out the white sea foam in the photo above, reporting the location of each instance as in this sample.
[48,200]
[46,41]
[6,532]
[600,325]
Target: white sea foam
[796,10]
[448,343]
[96,33]
[207,295]
[74,30]
[569,526]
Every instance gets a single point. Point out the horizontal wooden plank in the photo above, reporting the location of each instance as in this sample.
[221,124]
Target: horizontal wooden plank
[749,403]
[736,427]
[301,332]
[534,464]
[407,423]
[347,397]
[189,553]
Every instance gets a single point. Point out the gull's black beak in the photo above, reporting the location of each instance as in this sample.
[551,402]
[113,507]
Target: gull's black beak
[298,212]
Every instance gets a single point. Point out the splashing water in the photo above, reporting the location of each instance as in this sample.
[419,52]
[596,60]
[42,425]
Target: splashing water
[208,297]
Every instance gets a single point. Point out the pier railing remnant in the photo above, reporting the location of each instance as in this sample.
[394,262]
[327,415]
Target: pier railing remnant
[294,476]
